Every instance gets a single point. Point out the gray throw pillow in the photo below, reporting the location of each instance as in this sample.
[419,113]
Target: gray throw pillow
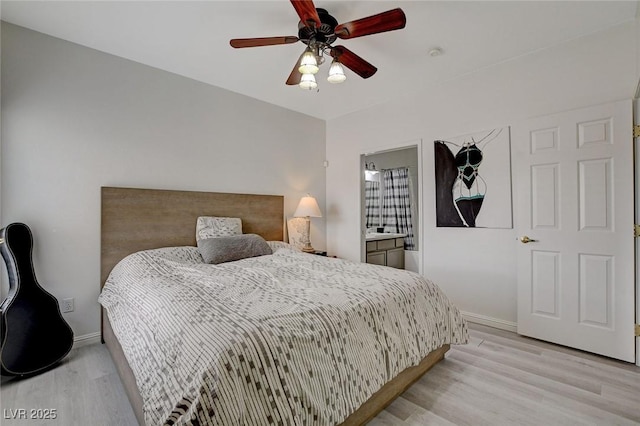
[235,247]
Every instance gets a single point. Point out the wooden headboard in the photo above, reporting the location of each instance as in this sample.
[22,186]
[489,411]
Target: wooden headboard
[141,219]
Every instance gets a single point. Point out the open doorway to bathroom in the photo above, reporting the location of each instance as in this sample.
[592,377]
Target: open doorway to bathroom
[391,204]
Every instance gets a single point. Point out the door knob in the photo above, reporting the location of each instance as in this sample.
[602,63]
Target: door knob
[525,240]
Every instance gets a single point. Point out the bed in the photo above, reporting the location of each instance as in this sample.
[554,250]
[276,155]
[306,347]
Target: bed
[292,345]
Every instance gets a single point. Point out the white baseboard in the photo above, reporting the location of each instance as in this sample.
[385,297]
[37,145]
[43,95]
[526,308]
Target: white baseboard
[491,322]
[86,339]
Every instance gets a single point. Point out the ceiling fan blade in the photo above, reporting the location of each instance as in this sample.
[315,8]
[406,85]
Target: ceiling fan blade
[261,41]
[354,62]
[307,13]
[390,20]
[295,76]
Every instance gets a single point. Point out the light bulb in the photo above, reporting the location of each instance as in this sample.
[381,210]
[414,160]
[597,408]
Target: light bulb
[308,82]
[308,63]
[336,73]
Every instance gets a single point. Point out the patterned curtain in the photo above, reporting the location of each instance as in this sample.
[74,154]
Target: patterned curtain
[372,203]
[396,204]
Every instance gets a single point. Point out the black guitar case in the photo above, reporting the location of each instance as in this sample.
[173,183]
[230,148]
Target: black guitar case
[33,334]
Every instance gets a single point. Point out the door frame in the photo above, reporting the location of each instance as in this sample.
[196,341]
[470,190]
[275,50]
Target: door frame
[636,153]
[417,143]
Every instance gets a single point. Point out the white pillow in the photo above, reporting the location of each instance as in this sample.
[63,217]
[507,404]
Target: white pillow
[275,245]
[213,227]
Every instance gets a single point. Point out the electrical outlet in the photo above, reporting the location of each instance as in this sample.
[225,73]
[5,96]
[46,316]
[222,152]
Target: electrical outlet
[67,305]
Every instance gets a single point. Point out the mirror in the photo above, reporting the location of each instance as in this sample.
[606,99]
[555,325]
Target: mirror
[390,199]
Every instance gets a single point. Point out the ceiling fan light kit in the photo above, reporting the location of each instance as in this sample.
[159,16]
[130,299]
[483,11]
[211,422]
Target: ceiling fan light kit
[318,30]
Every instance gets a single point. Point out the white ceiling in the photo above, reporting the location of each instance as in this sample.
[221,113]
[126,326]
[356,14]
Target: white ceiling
[192,39]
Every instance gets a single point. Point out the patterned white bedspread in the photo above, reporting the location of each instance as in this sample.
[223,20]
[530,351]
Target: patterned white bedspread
[285,339]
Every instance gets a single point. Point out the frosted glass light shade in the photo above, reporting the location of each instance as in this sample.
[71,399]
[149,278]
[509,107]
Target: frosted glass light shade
[336,73]
[372,176]
[308,207]
[308,82]
[308,63]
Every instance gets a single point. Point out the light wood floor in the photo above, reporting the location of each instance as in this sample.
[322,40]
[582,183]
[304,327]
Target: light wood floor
[500,378]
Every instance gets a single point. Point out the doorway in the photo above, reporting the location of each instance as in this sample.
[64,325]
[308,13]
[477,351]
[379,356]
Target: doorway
[390,199]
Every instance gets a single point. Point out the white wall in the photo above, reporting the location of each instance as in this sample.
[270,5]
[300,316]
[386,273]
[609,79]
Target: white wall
[637,25]
[75,119]
[475,267]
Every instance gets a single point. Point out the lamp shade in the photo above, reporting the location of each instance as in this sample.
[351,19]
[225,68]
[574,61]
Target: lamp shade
[308,63]
[308,82]
[308,206]
[372,176]
[336,73]
[370,172]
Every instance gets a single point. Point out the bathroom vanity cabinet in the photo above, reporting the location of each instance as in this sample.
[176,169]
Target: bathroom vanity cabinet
[386,249]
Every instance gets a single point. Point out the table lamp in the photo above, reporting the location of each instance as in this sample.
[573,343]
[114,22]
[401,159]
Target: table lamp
[308,208]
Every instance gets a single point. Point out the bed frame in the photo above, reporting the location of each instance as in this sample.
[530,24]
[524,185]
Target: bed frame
[140,219]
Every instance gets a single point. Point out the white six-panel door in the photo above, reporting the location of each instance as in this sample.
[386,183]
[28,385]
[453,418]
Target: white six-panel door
[575,203]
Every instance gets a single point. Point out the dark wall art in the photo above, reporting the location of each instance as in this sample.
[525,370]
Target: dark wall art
[473,180]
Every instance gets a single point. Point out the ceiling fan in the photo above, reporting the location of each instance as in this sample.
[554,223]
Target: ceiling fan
[318,30]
